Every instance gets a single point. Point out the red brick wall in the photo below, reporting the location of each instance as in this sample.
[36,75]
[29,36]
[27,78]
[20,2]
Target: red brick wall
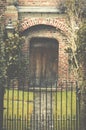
[39,2]
[58,22]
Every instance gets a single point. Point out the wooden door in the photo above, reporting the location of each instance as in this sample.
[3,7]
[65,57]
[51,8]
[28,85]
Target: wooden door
[43,64]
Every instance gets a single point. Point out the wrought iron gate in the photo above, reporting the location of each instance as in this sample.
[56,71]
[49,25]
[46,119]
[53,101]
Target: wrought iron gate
[36,108]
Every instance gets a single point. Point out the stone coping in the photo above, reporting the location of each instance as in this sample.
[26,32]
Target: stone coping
[38,9]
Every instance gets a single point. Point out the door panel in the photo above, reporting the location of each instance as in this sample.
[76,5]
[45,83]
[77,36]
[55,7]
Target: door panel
[43,64]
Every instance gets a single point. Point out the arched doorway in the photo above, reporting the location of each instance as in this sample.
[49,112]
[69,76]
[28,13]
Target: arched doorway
[43,61]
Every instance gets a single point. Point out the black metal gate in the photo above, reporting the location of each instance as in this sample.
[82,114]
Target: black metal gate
[41,108]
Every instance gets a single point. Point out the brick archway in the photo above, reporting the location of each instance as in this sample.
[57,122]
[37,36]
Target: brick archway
[56,22]
[47,31]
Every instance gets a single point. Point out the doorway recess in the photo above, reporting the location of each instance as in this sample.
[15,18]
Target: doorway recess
[43,61]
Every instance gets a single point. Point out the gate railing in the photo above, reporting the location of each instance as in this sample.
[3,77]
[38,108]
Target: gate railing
[59,124]
[36,108]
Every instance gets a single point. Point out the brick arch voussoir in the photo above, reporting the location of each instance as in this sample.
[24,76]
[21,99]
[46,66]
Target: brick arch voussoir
[55,22]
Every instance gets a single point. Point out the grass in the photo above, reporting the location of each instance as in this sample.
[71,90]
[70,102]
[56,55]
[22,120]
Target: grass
[20,103]
[65,103]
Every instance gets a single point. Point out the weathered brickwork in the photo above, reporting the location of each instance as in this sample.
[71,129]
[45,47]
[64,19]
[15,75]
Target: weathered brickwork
[56,22]
[2,7]
[39,2]
[11,12]
[62,71]
[43,24]
[2,14]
